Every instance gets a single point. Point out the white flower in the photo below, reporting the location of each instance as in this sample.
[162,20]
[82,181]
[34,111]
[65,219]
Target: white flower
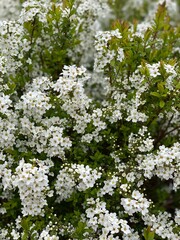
[120,55]
[153,69]
[137,195]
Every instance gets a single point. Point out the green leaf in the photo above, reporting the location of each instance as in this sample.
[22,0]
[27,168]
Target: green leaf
[147,35]
[160,16]
[155,94]
[148,234]
[25,236]
[11,86]
[153,55]
[25,223]
[161,104]
[178,85]
[161,87]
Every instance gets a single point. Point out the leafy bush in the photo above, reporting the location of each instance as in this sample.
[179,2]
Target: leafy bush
[89,120]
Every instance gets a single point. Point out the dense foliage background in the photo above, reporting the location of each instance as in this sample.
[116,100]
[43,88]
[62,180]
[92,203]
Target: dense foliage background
[89,119]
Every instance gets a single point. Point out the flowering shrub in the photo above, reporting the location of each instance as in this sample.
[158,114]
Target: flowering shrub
[89,120]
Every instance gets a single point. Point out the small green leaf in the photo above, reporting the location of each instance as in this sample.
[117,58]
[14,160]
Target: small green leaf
[161,104]
[25,224]
[161,87]
[153,54]
[147,35]
[178,85]
[148,234]
[155,94]
[25,236]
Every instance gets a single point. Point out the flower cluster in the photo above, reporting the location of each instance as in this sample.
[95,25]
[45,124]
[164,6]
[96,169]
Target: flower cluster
[9,9]
[135,204]
[89,120]
[165,164]
[75,178]
[32,183]
[90,15]
[97,215]
[105,55]
[109,186]
[136,141]
[162,225]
